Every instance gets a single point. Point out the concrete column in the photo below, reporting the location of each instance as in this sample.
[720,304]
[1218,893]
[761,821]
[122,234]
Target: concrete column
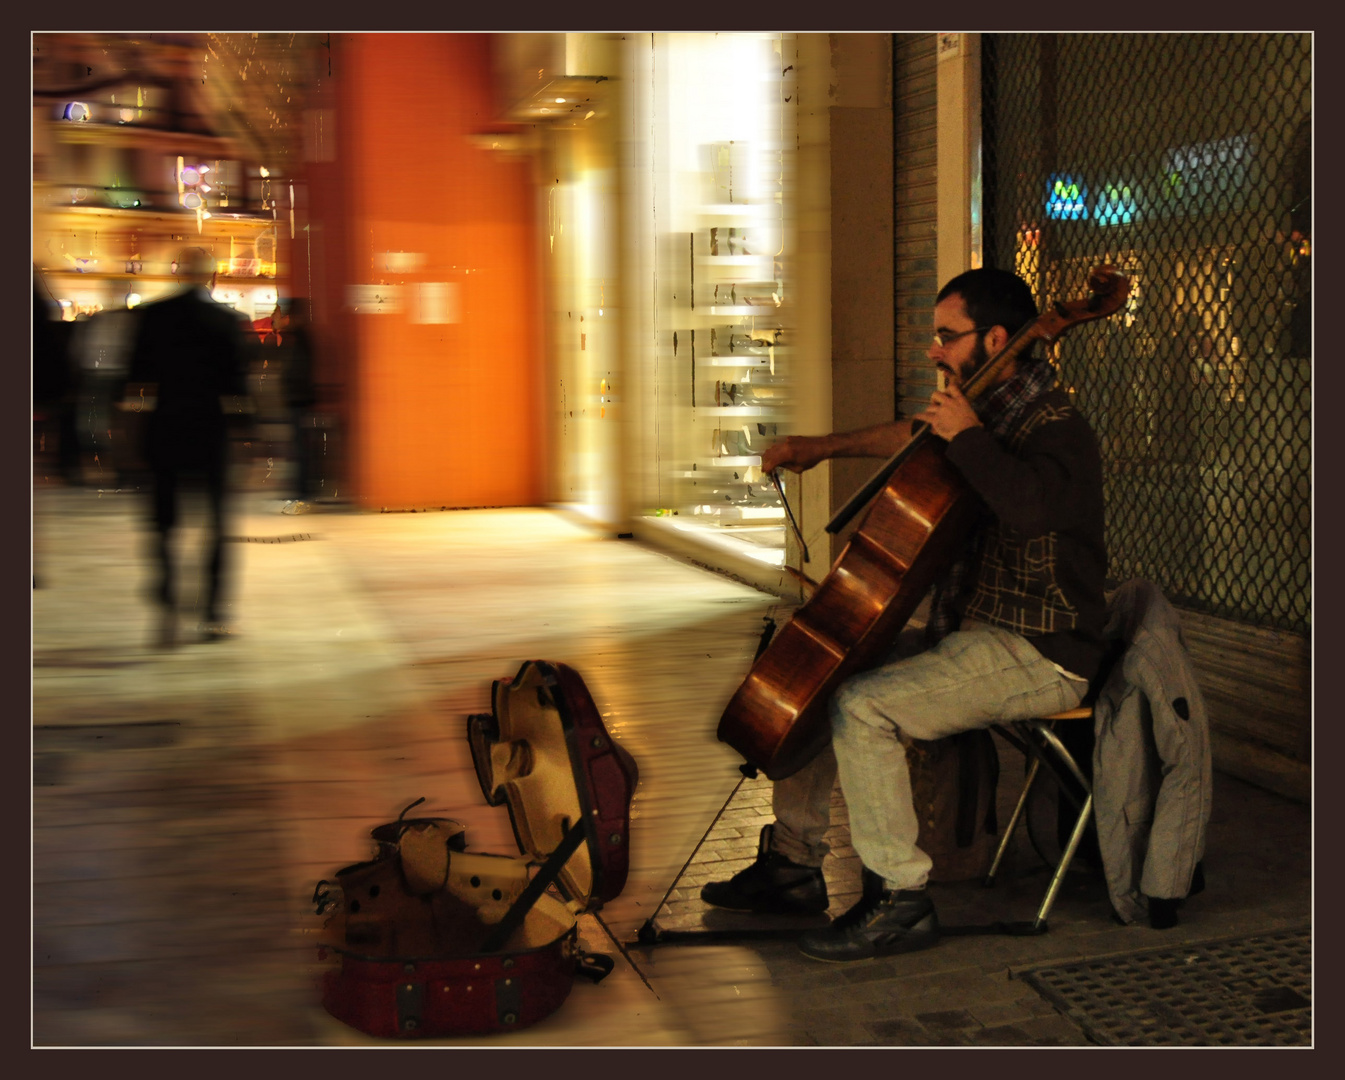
[862,314]
[811,269]
[959,150]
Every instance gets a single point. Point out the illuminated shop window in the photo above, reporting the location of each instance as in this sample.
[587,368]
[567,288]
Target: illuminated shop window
[1066,198]
[1115,205]
[192,186]
[723,174]
[1200,177]
[1027,252]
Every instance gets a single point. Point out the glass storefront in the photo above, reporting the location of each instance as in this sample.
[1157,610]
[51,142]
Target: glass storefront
[714,381]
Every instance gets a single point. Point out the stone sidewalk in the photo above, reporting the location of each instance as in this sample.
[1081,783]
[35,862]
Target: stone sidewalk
[980,989]
[185,804]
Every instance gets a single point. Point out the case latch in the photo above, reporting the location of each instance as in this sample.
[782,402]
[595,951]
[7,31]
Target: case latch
[410,1005]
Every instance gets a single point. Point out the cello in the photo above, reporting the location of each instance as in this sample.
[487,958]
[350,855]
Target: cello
[922,512]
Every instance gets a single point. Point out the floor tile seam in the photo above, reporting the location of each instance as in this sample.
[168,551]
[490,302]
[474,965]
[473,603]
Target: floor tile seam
[180,769]
[214,845]
[927,995]
[94,794]
[173,953]
[171,819]
[251,864]
[899,1006]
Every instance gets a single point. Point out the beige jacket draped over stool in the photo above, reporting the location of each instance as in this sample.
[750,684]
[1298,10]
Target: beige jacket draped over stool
[1152,774]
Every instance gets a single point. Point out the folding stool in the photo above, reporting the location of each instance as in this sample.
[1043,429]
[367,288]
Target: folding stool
[1039,743]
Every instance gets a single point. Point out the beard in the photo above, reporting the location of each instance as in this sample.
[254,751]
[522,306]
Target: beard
[974,363]
[970,366]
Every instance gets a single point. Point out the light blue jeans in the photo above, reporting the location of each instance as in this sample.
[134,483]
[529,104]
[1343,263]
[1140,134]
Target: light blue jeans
[974,677]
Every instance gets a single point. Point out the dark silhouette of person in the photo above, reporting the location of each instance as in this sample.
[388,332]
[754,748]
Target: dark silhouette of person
[189,356]
[53,377]
[51,384]
[291,341]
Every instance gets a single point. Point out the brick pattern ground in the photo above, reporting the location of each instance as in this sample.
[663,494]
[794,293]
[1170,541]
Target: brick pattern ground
[967,991]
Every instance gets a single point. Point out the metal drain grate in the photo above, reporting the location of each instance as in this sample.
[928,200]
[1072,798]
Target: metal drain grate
[1244,992]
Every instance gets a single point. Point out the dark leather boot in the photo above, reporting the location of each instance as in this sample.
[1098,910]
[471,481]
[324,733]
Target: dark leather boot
[882,922]
[773,885]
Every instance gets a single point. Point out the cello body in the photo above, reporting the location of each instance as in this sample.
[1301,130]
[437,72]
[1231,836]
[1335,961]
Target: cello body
[777,719]
[919,518]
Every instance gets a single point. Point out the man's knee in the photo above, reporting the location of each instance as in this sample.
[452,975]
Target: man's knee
[854,708]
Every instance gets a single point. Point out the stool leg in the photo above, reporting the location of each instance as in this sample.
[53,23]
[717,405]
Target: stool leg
[1013,822]
[1049,736]
[1063,866]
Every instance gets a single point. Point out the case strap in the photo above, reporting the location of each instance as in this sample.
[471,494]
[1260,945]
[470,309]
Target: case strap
[518,910]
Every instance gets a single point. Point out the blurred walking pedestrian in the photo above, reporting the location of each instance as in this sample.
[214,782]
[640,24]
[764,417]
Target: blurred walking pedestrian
[189,358]
[51,386]
[54,379]
[100,348]
[290,346]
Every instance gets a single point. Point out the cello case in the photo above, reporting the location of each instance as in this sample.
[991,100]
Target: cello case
[434,940]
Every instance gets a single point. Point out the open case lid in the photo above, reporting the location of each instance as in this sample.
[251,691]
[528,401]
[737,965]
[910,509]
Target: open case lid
[545,751]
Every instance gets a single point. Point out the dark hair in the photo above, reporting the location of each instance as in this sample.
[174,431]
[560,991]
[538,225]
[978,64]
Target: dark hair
[993,298]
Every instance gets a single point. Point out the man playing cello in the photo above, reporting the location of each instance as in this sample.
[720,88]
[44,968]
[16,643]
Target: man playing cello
[1016,625]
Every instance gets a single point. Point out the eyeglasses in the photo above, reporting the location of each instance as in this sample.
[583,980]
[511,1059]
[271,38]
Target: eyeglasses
[940,340]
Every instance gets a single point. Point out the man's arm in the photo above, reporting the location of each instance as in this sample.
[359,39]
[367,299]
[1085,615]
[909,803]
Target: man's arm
[800,452]
[139,388]
[1036,490]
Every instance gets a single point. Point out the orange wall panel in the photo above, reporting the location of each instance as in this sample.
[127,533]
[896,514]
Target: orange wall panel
[444,414]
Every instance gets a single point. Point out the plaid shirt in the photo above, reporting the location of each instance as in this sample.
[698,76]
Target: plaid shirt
[999,412]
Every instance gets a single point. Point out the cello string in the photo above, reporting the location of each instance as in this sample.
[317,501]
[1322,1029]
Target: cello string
[798,533]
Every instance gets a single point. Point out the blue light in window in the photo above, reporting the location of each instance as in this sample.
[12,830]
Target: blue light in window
[1066,197]
[1115,205]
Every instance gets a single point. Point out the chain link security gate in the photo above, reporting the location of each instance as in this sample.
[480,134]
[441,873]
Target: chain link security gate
[1185,160]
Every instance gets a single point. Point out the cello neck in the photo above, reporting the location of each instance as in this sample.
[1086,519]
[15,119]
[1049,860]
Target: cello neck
[985,377]
[1109,290]
[874,484]
[988,374]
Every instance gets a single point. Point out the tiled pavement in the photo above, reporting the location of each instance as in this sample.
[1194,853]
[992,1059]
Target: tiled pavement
[185,804]
[969,991]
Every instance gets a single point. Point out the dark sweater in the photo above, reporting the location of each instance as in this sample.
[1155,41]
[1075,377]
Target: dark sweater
[1043,565]
[191,348]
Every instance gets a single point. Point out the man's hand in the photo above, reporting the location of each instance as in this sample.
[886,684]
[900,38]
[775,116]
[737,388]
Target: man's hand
[795,453]
[799,452]
[949,413]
